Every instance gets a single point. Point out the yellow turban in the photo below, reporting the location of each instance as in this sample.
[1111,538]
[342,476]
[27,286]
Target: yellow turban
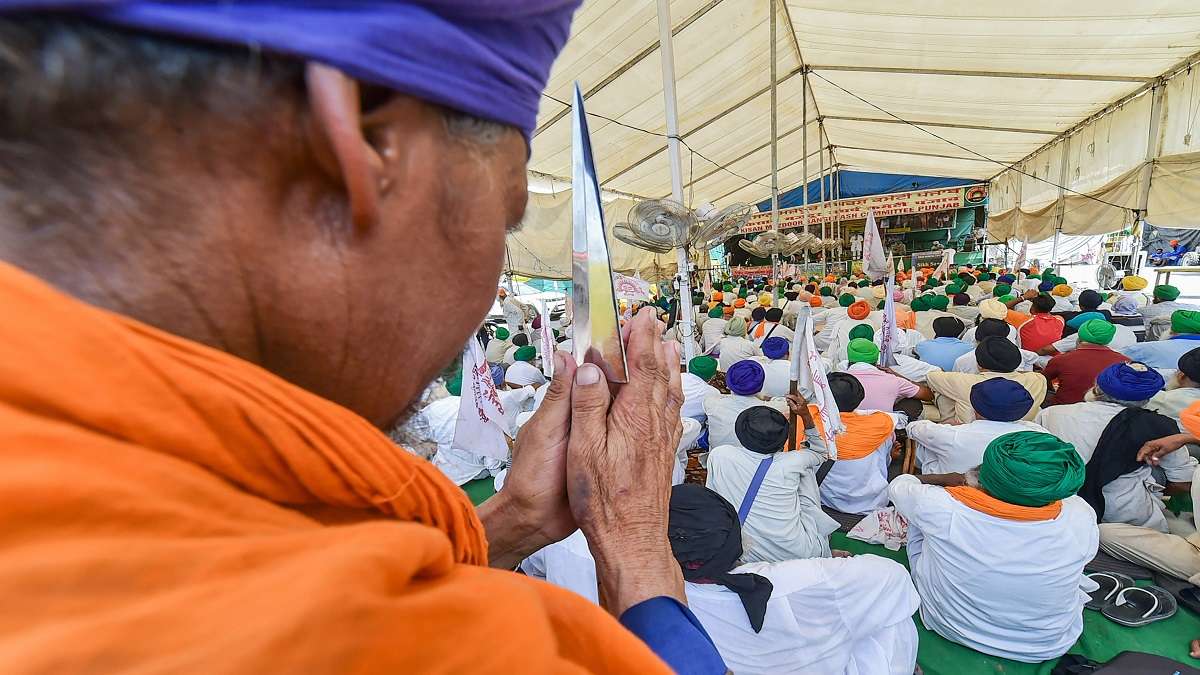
[764,299]
[992,309]
[1062,291]
[1134,283]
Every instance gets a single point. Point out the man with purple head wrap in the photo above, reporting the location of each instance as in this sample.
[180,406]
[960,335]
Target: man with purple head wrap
[1107,429]
[261,184]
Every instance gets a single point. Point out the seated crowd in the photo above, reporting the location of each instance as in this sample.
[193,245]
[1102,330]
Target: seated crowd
[1044,427]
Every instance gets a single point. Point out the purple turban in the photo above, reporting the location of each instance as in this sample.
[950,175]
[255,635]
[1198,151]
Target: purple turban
[775,347]
[745,378]
[488,59]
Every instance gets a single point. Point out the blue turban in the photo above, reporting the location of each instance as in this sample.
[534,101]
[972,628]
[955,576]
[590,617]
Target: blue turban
[1130,381]
[498,374]
[745,378]
[775,347]
[488,59]
[1084,317]
[1001,399]
[1046,286]
[1005,279]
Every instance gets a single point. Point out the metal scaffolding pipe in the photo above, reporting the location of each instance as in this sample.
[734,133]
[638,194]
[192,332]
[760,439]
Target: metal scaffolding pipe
[804,151]
[774,138]
[686,316]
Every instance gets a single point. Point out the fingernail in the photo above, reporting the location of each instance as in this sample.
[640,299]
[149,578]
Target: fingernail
[587,374]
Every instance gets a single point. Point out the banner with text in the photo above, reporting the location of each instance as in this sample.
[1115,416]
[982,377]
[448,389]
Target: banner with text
[895,204]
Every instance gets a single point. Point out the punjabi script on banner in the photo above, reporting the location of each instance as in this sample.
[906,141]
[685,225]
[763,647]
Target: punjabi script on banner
[899,203]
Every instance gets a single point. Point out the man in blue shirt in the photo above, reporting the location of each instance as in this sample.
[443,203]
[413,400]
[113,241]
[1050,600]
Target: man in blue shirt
[1185,332]
[946,346]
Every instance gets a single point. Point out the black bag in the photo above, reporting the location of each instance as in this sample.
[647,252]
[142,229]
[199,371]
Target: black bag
[1125,663]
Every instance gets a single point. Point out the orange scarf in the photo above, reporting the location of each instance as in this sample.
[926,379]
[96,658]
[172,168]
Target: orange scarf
[165,506]
[984,503]
[864,433]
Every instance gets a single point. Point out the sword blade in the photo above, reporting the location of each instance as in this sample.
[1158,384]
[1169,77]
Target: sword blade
[597,329]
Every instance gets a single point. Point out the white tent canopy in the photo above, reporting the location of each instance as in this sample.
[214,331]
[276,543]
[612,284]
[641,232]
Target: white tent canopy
[1000,81]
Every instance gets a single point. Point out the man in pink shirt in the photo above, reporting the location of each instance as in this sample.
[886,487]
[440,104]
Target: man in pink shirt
[884,390]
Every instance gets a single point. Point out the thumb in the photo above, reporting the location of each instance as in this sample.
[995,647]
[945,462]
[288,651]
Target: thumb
[589,407]
[556,405]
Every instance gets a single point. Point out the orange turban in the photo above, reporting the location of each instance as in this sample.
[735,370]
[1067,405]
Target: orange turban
[739,303]
[815,301]
[717,296]
[858,310]
[830,277]
[220,496]
[728,311]
[1190,418]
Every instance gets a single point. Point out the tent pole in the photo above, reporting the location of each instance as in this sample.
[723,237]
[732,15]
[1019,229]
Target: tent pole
[686,318]
[1156,101]
[804,150]
[821,141]
[1062,197]
[774,142]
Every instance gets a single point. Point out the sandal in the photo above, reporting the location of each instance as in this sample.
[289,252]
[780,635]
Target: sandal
[1111,583]
[1141,605]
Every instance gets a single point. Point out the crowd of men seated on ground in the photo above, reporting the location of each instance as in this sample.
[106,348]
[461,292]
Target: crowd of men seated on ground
[1047,421]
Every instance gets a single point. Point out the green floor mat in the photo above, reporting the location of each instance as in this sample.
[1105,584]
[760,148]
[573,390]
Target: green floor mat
[1101,640]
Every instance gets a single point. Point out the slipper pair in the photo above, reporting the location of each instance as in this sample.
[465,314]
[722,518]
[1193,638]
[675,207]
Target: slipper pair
[1129,605]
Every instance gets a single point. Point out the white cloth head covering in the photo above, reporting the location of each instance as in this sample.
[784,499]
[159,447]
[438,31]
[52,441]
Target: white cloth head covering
[523,373]
[992,309]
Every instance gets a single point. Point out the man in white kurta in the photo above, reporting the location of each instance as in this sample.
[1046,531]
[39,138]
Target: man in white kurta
[996,357]
[857,481]
[1009,588]
[696,388]
[777,366]
[1133,498]
[734,346]
[843,616]
[459,464]
[957,448]
[785,520]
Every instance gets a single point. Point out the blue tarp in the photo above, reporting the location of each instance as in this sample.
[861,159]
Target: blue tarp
[864,184]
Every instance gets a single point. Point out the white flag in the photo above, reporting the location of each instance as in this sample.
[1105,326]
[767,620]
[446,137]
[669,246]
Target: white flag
[888,337]
[547,342]
[810,380]
[874,265]
[479,426]
[943,268]
[1021,256]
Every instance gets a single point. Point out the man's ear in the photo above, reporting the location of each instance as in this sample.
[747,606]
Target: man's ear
[338,141]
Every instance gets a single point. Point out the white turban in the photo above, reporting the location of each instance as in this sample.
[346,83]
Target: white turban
[523,373]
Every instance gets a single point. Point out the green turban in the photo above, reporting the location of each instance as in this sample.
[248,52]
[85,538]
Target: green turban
[933,283]
[1048,274]
[1165,292]
[954,289]
[845,300]
[864,283]
[861,350]
[1007,298]
[454,384]
[1031,468]
[919,304]
[716,312]
[1097,332]
[501,333]
[862,330]
[743,293]
[736,327]
[939,302]
[985,276]
[703,367]
[728,288]
[525,353]
[1001,289]
[1185,321]
[826,291]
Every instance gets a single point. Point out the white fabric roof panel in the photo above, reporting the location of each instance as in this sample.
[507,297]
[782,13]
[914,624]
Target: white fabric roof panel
[1000,77]
[722,73]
